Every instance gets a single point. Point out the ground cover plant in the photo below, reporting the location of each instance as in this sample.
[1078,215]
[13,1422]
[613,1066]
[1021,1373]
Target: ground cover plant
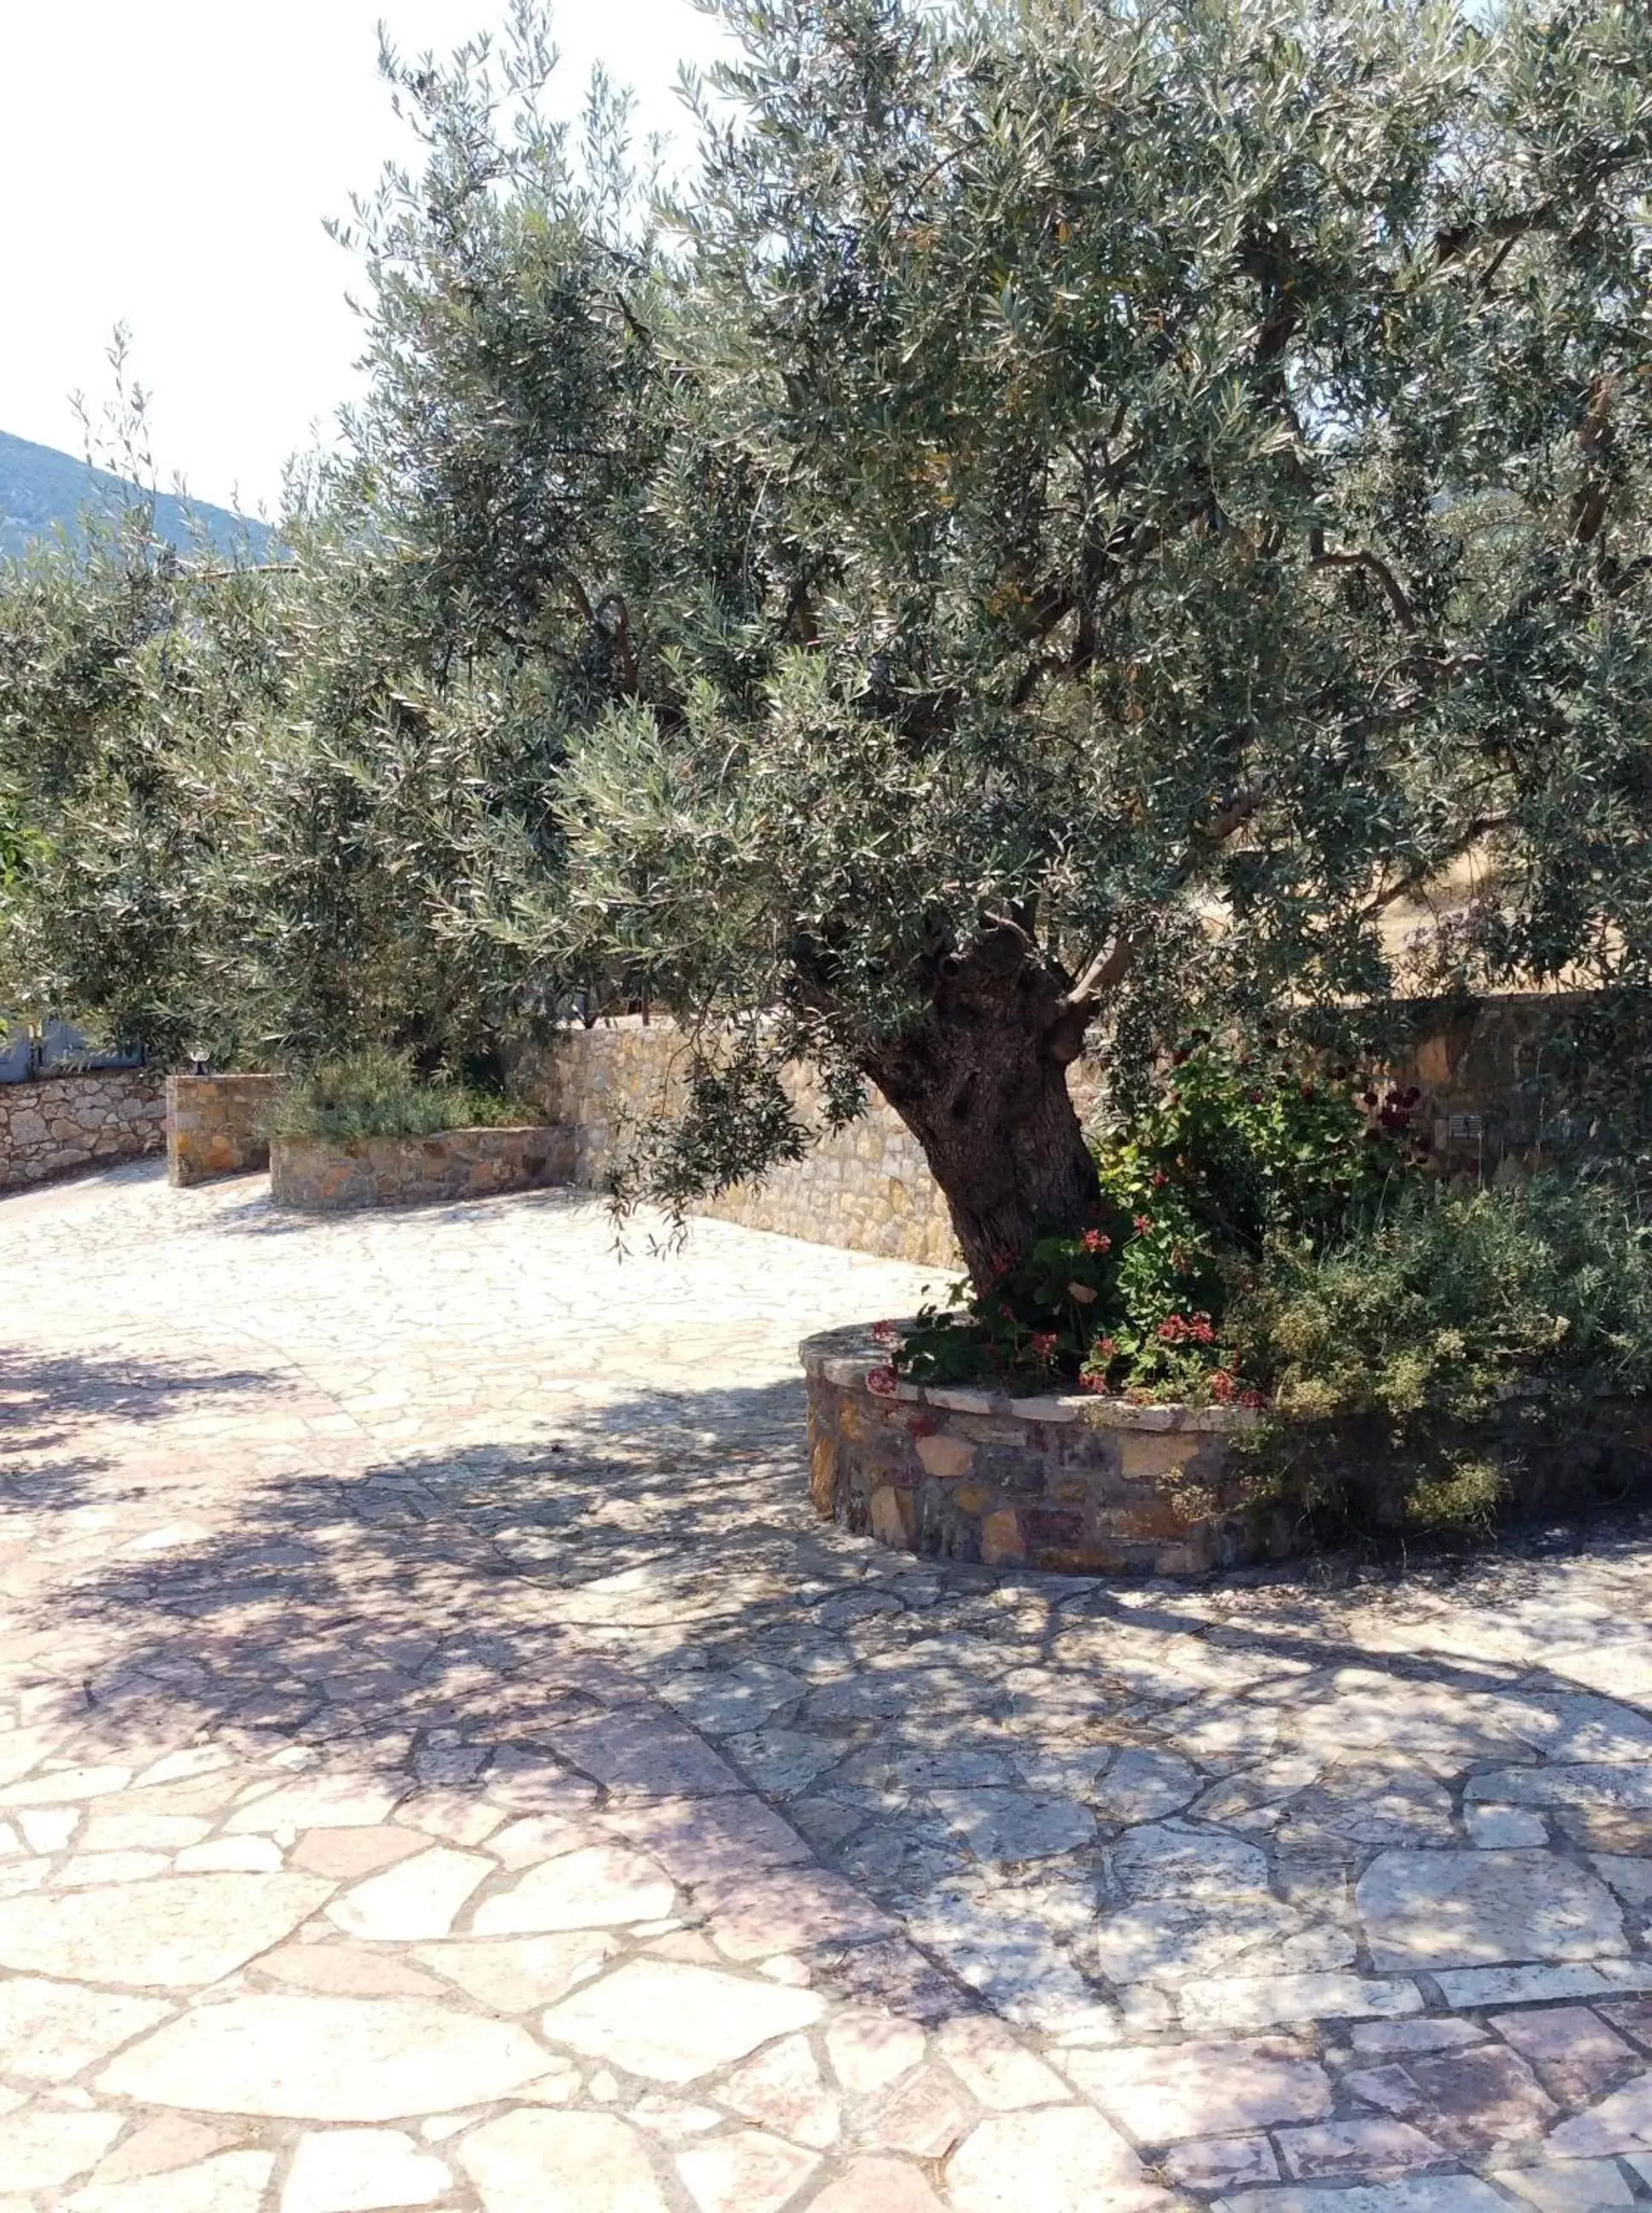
[1464,1350]
[376,1093]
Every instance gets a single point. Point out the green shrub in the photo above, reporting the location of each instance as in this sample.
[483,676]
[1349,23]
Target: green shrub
[376,1094]
[1393,1357]
[1239,1148]
[1452,1299]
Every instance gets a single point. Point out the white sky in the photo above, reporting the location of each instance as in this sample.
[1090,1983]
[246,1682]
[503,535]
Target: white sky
[167,164]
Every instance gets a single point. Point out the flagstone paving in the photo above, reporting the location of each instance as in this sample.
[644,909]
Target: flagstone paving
[443,1764]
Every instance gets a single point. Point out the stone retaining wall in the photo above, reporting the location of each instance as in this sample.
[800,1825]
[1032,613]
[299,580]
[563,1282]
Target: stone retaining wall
[213,1126]
[1517,1079]
[868,1187]
[1075,1485]
[453,1164]
[62,1123]
[1528,1078]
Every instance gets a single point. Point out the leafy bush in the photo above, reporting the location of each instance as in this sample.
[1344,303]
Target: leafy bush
[1455,1298]
[1241,1150]
[1391,1355]
[1036,1325]
[377,1094]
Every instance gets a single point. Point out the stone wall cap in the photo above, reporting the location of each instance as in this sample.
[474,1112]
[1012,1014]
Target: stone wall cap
[845,1357]
[954,1399]
[142,1078]
[185,1081]
[1048,1408]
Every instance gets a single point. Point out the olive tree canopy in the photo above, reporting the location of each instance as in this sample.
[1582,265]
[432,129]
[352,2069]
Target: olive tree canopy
[1190,468]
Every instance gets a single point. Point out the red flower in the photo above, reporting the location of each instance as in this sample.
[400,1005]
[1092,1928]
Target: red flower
[1092,1382]
[1160,1179]
[1176,1329]
[1222,1387]
[1094,1241]
[881,1381]
[885,1332]
[1044,1344]
[1107,1347]
[1142,1223]
[1250,1399]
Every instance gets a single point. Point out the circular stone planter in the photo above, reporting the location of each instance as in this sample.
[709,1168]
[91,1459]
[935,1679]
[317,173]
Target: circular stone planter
[1077,1485]
[327,1175]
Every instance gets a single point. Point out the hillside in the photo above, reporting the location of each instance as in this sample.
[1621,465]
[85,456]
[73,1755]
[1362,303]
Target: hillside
[42,488]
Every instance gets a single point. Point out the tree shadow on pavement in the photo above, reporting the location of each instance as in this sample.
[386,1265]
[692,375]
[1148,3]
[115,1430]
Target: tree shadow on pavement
[979,1753]
[53,1406]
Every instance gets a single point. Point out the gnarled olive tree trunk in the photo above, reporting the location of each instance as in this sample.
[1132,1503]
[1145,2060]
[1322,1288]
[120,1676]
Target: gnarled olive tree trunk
[981,1083]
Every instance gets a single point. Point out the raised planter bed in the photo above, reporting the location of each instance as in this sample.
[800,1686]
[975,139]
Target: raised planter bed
[327,1175]
[1093,1486]
[215,1125]
[1079,1485]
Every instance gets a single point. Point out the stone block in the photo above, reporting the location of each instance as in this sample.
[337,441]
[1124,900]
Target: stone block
[823,1472]
[1002,1545]
[1051,1525]
[889,1511]
[946,1456]
[1454,1910]
[962,1402]
[1164,2093]
[1065,1411]
[1150,1456]
[1089,1560]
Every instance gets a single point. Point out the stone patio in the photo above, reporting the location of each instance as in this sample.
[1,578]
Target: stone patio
[445,1763]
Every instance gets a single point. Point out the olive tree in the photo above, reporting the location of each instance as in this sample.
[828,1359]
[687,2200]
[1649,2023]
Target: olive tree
[263,790]
[1189,469]
[1078,510]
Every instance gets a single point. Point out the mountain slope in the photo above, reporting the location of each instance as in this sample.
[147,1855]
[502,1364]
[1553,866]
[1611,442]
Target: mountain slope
[42,488]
